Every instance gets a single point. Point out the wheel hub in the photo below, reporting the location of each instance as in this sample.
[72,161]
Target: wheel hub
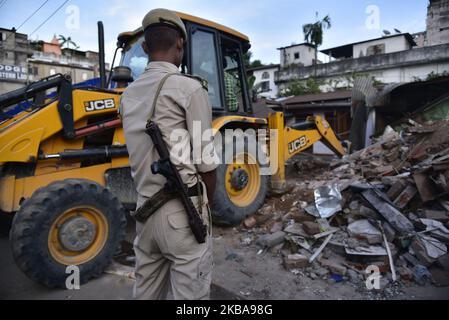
[77,234]
[239,179]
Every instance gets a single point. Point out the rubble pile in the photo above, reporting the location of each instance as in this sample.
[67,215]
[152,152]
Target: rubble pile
[383,208]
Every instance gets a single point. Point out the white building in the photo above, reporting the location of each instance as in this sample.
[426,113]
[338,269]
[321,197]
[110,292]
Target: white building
[302,54]
[372,47]
[389,59]
[437,22]
[264,83]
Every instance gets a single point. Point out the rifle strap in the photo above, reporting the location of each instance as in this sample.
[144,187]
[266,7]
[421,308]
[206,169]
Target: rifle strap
[158,92]
[153,109]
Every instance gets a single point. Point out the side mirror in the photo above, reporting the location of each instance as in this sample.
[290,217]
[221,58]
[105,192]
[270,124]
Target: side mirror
[122,76]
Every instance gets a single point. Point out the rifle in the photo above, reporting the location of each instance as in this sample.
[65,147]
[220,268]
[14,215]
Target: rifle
[174,184]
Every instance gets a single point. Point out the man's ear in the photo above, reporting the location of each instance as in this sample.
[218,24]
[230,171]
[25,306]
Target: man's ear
[180,43]
[145,48]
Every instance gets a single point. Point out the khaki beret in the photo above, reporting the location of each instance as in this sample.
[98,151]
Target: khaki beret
[164,17]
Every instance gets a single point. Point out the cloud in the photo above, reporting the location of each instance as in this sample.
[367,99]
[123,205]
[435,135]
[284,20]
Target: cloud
[116,8]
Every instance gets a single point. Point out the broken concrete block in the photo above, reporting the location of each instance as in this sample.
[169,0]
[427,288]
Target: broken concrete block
[368,213]
[271,240]
[334,267]
[441,216]
[261,219]
[300,216]
[409,258]
[363,229]
[391,214]
[250,223]
[405,197]
[437,230]
[396,189]
[405,273]
[390,145]
[296,229]
[428,249]
[311,228]
[384,170]
[389,231]
[266,210]
[426,189]
[276,227]
[366,251]
[296,261]
[392,155]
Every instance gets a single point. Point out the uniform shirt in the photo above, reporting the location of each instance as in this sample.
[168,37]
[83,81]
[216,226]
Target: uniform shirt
[181,102]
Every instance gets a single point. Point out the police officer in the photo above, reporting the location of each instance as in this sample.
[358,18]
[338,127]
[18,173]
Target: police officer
[168,258]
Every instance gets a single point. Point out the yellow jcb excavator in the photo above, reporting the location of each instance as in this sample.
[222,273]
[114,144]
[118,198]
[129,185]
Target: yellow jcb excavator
[64,164]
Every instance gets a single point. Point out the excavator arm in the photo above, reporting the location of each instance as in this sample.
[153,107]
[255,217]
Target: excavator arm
[315,129]
[297,138]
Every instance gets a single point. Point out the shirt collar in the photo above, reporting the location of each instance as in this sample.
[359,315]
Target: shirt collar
[162,65]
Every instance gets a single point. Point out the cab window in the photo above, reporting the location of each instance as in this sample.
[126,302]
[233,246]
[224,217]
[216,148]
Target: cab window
[205,64]
[135,58]
[233,86]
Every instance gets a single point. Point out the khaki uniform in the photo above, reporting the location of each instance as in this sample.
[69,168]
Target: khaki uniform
[167,254]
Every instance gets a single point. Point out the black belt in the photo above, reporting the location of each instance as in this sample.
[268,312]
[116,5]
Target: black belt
[193,191]
[159,199]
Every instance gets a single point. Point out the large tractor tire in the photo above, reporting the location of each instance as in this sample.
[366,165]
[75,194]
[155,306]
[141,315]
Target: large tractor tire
[67,223]
[240,190]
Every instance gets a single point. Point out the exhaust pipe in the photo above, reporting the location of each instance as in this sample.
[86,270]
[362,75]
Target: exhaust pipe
[101,55]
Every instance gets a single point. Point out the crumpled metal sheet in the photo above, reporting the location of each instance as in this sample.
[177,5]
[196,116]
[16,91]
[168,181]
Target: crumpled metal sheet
[434,248]
[328,200]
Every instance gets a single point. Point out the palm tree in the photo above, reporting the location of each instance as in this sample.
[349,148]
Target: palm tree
[67,41]
[313,33]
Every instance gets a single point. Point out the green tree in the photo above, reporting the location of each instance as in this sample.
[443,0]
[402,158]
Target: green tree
[298,87]
[67,41]
[247,58]
[313,33]
[256,63]
[249,63]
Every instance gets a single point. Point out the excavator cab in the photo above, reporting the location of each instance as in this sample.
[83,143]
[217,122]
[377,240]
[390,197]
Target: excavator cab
[213,52]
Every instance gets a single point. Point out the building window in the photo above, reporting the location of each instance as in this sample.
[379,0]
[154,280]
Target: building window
[52,72]
[375,49]
[1,36]
[296,55]
[265,75]
[265,86]
[32,71]
[84,76]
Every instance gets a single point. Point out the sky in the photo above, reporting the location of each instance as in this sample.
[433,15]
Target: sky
[269,24]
